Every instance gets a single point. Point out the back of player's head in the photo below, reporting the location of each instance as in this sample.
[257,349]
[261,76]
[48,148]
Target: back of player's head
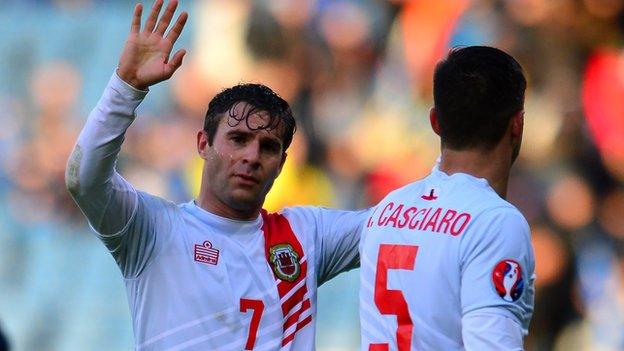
[476,91]
[261,98]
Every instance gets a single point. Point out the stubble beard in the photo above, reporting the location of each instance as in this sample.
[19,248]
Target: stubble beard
[243,202]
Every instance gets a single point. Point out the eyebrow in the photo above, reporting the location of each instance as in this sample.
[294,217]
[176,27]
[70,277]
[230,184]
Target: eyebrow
[238,132]
[245,133]
[273,140]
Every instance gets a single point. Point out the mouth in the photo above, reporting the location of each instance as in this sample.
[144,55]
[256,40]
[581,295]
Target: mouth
[246,179]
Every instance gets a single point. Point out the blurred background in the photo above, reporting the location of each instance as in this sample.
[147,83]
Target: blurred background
[358,74]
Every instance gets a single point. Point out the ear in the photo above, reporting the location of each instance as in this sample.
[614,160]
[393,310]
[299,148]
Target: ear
[433,119]
[517,125]
[202,143]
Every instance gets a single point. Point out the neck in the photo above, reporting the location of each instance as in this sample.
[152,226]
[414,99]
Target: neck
[213,205]
[493,165]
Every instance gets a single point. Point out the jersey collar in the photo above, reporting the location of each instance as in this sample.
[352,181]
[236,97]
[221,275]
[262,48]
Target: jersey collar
[463,177]
[225,225]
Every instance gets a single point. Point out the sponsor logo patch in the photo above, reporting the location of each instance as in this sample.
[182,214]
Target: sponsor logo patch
[205,253]
[285,262]
[507,279]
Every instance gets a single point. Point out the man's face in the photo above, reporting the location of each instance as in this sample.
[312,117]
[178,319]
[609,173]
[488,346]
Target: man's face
[243,161]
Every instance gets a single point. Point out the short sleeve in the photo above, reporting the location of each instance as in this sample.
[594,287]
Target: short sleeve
[497,266]
[336,238]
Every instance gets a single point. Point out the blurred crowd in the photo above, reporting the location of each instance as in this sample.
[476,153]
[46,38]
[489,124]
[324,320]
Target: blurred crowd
[358,74]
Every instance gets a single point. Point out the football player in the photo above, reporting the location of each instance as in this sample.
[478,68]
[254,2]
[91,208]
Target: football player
[447,263]
[217,272]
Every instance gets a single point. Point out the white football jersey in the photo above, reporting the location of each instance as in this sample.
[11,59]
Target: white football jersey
[436,251]
[197,281]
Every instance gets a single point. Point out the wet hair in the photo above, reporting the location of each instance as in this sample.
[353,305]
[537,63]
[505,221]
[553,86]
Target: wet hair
[261,99]
[476,91]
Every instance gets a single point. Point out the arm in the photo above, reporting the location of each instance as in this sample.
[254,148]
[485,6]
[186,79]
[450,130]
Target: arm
[336,240]
[497,282]
[107,200]
[483,331]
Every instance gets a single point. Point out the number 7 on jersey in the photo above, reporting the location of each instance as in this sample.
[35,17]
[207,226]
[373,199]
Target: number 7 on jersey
[257,306]
[392,302]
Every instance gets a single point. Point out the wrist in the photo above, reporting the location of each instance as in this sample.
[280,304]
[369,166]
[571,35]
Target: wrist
[131,80]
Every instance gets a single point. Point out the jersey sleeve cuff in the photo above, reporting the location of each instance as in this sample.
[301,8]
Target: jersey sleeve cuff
[503,312]
[122,97]
[125,88]
[117,106]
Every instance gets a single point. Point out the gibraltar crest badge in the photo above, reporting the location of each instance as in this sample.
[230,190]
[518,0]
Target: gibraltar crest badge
[285,262]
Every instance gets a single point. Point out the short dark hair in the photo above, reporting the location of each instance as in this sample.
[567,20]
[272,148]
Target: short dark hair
[261,98]
[476,91]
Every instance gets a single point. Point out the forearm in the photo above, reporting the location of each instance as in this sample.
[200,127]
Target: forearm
[90,175]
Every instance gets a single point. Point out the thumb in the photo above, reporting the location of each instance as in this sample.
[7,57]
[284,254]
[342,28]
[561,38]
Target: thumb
[175,62]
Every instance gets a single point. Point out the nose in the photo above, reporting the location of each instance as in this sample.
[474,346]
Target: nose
[251,154]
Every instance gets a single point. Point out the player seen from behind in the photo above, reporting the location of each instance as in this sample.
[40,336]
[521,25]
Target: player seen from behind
[447,263]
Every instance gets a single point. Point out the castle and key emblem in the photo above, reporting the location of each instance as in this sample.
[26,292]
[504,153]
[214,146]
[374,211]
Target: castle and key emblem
[285,262]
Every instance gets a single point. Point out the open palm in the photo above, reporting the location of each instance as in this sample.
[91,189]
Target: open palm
[145,59]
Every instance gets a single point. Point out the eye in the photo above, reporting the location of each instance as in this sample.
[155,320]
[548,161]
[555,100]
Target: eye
[271,147]
[237,139]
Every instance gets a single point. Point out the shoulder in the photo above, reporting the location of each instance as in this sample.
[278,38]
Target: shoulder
[487,208]
[156,205]
[501,226]
[296,214]
[405,192]
[315,215]
[320,222]
[156,200]
[503,214]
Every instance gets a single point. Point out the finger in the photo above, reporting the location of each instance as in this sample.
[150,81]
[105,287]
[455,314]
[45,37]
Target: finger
[136,18]
[176,30]
[153,16]
[166,17]
[175,62]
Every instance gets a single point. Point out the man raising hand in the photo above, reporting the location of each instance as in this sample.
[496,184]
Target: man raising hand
[218,272]
[145,58]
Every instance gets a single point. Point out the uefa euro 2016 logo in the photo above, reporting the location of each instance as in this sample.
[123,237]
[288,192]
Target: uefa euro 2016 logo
[507,278]
[285,262]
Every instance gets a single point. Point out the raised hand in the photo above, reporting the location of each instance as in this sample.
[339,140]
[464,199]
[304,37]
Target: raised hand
[145,58]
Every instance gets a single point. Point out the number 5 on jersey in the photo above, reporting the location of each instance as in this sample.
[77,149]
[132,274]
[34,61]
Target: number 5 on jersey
[257,306]
[392,302]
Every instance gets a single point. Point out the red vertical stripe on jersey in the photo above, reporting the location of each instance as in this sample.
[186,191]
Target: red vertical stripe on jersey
[295,316]
[294,299]
[278,231]
[301,324]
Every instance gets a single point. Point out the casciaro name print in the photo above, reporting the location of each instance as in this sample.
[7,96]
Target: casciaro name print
[432,219]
